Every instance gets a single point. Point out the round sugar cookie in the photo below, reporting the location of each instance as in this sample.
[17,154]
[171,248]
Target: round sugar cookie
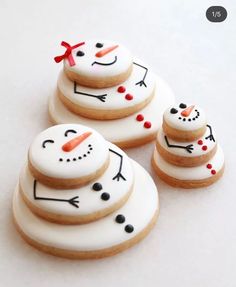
[190,177]
[187,154]
[109,103]
[130,131]
[98,64]
[105,237]
[69,155]
[184,122]
[87,203]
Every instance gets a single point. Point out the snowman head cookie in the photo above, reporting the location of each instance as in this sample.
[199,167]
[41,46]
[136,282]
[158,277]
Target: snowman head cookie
[97,63]
[68,155]
[184,122]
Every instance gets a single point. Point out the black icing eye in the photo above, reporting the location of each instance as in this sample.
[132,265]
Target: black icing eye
[173,111]
[99,45]
[182,106]
[70,131]
[80,54]
[45,142]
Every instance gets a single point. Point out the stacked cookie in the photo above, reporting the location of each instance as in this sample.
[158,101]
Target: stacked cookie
[187,154]
[102,86]
[80,196]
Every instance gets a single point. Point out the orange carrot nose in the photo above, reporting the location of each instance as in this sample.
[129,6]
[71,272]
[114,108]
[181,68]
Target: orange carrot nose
[186,112]
[70,145]
[105,51]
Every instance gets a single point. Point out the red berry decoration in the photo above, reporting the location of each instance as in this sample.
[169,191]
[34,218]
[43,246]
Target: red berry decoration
[200,142]
[204,148]
[121,89]
[209,166]
[213,171]
[147,125]
[129,97]
[140,118]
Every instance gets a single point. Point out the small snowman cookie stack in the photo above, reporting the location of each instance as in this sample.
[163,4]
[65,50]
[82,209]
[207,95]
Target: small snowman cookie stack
[187,154]
[80,196]
[103,87]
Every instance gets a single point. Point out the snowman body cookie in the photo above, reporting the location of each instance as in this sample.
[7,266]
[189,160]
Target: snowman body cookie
[65,221]
[192,157]
[137,99]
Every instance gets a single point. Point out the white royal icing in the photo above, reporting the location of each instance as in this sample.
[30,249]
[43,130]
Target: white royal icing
[112,100]
[104,233]
[195,148]
[86,66]
[180,122]
[93,152]
[191,173]
[124,129]
[89,200]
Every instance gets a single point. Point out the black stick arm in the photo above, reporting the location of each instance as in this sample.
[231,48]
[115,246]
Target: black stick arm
[210,136]
[119,174]
[101,98]
[188,148]
[73,201]
[142,82]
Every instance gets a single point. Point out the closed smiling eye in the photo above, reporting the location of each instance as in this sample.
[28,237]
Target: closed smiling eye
[46,142]
[70,131]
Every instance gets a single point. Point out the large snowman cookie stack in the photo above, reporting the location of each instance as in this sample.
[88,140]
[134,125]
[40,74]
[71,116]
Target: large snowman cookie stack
[80,196]
[187,154]
[103,87]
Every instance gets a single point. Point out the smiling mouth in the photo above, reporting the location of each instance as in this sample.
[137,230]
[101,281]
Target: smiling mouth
[105,64]
[191,119]
[88,152]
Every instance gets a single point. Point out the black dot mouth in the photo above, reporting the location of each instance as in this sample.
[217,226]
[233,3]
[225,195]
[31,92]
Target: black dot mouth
[78,158]
[184,119]
[105,64]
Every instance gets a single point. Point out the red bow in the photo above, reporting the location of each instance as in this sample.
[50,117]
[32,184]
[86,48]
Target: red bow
[67,53]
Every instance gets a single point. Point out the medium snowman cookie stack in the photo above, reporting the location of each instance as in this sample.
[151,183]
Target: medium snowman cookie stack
[80,196]
[103,87]
[187,154]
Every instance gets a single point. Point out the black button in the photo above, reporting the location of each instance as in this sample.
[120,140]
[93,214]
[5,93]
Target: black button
[120,218]
[105,196]
[129,228]
[97,186]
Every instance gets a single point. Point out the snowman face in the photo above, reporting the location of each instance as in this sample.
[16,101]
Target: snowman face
[100,59]
[185,117]
[68,151]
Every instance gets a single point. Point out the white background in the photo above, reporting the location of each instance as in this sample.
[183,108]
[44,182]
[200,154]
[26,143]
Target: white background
[194,241]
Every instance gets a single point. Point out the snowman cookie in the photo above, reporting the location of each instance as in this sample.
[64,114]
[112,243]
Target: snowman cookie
[96,64]
[127,112]
[104,216]
[184,122]
[192,163]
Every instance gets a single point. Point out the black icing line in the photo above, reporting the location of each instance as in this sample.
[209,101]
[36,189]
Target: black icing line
[210,136]
[46,141]
[119,174]
[142,82]
[70,131]
[188,148]
[101,98]
[73,201]
[105,64]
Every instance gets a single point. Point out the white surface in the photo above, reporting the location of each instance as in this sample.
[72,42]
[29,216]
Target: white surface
[194,242]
